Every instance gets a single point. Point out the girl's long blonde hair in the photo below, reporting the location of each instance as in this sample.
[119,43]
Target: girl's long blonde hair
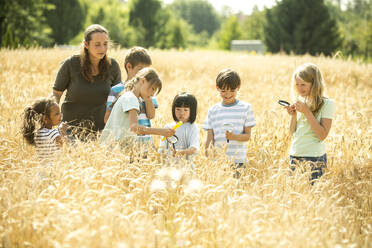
[310,73]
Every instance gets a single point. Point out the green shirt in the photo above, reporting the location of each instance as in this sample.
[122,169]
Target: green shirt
[85,101]
[118,127]
[305,143]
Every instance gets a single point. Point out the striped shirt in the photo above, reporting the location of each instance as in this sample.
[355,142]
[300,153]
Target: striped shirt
[234,118]
[142,118]
[45,141]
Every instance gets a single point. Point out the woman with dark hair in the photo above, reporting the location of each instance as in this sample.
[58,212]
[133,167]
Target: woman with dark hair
[87,79]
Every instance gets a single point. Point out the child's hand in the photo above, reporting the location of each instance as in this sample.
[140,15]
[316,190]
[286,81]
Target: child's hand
[168,132]
[62,128]
[229,135]
[291,109]
[301,107]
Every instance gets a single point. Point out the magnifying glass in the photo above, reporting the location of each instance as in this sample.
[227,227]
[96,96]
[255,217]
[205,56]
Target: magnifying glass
[172,140]
[284,103]
[228,127]
[178,124]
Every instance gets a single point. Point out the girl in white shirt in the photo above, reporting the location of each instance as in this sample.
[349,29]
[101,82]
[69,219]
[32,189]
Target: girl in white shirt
[187,141]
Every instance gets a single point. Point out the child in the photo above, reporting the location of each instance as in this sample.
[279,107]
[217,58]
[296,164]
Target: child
[122,124]
[311,118]
[184,109]
[232,113]
[136,59]
[37,129]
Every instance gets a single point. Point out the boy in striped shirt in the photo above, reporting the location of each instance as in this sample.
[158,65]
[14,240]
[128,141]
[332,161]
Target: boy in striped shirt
[229,122]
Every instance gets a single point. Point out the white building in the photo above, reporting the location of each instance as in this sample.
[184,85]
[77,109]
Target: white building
[247,45]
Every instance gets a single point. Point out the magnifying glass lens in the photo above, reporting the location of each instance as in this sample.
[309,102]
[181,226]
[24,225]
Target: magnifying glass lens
[173,139]
[284,103]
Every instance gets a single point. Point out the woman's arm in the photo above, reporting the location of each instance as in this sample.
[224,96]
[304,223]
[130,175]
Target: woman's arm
[320,129]
[57,94]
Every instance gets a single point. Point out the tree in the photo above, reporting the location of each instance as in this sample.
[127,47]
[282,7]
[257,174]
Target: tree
[230,30]
[293,26]
[253,25]
[66,19]
[200,14]
[25,21]
[114,16]
[144,14]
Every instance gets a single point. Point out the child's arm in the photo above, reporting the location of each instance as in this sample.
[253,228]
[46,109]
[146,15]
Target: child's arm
[320,129]
[293,113]
[62,131]
[142,130]
[150,108]
[245,136]
[188,151]
[210,139]
[110,99]
[107,115]
[194,143]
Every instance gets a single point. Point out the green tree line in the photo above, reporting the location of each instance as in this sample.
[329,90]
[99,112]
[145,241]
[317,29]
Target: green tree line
[290,26]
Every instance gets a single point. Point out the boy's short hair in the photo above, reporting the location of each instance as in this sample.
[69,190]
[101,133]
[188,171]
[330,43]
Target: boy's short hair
[228,79]
[137,55]
[185,100]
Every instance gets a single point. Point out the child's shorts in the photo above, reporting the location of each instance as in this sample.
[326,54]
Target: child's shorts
[319,163]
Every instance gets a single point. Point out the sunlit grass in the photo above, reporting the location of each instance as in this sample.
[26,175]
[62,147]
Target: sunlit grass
[94,197]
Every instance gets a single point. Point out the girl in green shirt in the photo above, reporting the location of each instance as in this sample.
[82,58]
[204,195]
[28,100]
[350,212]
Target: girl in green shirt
[311,119]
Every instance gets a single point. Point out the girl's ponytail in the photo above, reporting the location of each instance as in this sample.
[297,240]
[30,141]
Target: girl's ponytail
[29,125]
[128,86]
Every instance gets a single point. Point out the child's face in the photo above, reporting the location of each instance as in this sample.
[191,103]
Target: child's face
[55,115]
[228,95]
[147,89]
[132,71]
[97,46]
[303,88]
[182,113]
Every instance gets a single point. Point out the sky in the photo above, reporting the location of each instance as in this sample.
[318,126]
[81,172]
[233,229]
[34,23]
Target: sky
[244,6]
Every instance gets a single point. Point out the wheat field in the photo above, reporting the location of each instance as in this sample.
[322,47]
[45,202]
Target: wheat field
[94,197]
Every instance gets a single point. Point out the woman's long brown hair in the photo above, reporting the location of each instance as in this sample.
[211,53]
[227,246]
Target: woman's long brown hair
[86,65]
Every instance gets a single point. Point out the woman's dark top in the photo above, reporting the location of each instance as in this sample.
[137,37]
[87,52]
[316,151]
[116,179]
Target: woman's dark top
[84,104]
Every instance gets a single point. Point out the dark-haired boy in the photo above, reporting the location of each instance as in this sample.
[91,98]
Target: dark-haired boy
[230,121]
